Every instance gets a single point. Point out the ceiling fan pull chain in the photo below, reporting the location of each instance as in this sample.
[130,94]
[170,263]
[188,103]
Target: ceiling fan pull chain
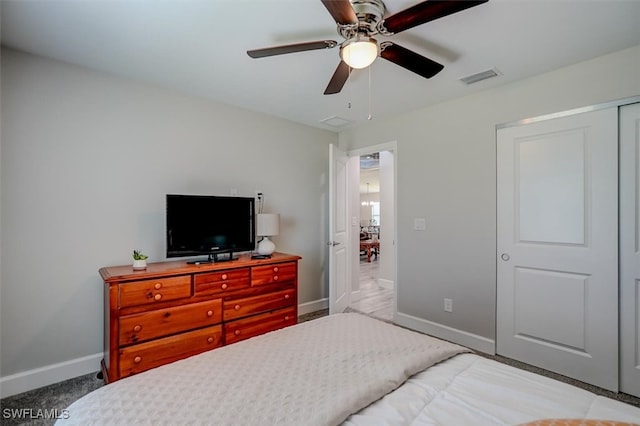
[350,88]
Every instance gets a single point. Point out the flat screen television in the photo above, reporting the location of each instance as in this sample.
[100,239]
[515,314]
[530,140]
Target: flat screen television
[216,226]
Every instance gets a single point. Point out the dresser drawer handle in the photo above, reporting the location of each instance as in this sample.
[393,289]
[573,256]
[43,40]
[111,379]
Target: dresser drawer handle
[275,278]
[224,286]
[236,333]
[286,318]
[237,307]
[137,360]
[286,296]
[275,269]
[157,286]
[225,276]
[209,339]
[209,313]
[137,328]
[157,296]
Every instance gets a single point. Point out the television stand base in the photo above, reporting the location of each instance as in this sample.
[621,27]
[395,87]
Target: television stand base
[221,256]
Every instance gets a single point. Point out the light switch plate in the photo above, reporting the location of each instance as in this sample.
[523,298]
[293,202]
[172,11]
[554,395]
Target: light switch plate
[419,224]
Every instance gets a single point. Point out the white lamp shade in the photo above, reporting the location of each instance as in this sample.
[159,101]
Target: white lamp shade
[268,224]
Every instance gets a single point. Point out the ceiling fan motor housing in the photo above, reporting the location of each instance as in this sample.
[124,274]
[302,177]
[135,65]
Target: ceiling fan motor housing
[370,13]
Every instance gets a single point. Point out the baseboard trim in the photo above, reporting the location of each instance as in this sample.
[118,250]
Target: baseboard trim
[48,375]
[388,284]
[316,305]
[450,334]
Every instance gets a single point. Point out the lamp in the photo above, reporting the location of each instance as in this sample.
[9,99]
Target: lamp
[268,225]
[359,52]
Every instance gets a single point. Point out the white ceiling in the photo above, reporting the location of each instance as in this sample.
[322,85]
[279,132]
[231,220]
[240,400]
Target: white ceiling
[199,47]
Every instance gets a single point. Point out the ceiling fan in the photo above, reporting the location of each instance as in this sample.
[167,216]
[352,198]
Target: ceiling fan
[358,21]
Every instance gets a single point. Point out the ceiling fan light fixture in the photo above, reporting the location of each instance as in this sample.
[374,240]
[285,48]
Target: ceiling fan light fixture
[360,51]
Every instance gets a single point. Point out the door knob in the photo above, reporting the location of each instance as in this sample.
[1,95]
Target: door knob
[505,257]
[333,243]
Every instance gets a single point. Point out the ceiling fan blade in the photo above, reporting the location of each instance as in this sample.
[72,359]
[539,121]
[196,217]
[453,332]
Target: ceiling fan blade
[410,60]
[341,11]
[426,11]
[340,77]
[292,48]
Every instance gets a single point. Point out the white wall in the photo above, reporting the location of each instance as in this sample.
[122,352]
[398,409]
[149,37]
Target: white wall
[87,159]
[446,174]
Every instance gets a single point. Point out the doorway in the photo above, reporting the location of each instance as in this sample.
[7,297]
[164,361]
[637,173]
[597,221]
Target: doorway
[374,270]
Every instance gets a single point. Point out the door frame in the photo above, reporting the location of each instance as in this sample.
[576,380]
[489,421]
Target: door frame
[629,265]
[353,185]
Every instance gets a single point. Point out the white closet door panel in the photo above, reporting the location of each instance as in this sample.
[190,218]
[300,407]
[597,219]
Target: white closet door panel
[549,212]
[557,295]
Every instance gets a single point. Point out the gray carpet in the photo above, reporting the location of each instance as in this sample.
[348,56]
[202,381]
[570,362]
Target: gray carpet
[36,407]
[55,398]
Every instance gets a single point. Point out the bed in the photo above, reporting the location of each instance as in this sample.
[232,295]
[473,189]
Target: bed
[342,369]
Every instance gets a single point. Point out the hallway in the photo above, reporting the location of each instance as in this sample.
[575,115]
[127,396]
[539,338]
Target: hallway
[375,300]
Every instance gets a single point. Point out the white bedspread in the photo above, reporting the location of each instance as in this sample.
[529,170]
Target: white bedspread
[471,390]
[314,373]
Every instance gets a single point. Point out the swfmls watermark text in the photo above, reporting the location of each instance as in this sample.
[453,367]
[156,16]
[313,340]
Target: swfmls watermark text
[34,413]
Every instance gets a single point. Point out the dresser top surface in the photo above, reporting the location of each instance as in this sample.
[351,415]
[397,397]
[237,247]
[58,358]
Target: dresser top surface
[178,267]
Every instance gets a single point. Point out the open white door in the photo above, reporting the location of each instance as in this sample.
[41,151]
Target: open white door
[557,266]
[630,249]
[339,290]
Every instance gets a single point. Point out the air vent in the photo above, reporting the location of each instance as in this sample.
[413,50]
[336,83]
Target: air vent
[335,121]
[493,72]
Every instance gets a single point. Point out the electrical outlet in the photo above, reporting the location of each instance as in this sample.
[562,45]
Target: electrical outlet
[448,305]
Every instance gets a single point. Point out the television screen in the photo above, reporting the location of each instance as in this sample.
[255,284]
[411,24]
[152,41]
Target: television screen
[207,224]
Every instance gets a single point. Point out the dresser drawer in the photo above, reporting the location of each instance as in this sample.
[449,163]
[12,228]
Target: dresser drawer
[238,308]
[154,291]
[164,322]
[243,329]
[222,281]
[138,358]
[269,274]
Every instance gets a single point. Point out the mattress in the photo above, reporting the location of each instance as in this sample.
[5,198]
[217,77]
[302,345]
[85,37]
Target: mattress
[314,373]
[342,369]
[472,390]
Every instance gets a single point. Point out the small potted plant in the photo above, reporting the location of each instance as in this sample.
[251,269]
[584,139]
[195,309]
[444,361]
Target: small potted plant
[139,260]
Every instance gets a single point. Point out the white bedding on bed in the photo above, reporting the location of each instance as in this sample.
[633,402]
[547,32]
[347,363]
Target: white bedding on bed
[313,373]
[471,390]
[320,372]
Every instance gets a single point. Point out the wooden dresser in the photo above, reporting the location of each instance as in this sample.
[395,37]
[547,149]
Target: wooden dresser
[173,310]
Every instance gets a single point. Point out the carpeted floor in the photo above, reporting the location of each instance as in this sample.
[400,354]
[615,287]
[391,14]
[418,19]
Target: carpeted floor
[37,407]
[41,406]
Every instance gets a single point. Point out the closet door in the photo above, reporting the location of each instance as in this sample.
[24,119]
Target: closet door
[557,259]
[630,249]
